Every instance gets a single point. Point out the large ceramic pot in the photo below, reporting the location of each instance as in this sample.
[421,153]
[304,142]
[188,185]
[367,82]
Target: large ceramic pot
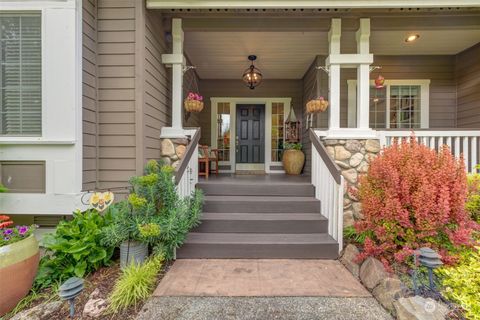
[293,161]
[18,267]
[132,251]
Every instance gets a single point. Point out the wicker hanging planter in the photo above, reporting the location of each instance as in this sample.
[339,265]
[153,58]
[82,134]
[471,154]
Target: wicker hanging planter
[193,102]
[317,105]
[193,105]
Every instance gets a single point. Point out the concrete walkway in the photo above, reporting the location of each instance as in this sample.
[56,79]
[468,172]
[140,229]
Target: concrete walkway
[260,289]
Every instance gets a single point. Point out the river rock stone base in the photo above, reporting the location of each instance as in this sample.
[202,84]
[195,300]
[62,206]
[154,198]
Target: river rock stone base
[173,150]
[353,156]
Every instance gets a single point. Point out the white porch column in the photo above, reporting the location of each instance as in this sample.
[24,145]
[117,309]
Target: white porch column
[176,61]
[334,75]
[363,76]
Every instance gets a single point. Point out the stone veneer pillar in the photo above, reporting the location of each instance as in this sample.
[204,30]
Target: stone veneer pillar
[173,150]
[353,156]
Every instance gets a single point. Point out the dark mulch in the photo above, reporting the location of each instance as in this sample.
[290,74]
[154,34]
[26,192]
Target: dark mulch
[104,279]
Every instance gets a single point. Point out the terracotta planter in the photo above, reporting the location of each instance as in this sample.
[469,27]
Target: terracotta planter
[193,105]
[293,161]
[18,267]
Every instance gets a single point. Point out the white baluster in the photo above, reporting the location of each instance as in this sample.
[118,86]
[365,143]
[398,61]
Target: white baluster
[465,151]
[473,153]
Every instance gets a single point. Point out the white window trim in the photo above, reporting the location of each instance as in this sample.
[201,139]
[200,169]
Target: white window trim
[424,100]
[268,126]
[60,144]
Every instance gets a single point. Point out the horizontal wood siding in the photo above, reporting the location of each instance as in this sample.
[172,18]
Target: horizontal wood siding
[89,94]
[439,69]
[116,92]
[468,87]
[236,88]
[157,97]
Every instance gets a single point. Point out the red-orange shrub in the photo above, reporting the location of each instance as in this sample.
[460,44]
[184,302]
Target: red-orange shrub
[412,197]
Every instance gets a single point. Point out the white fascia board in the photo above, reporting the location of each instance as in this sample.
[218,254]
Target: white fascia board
[352,59]
[281,4]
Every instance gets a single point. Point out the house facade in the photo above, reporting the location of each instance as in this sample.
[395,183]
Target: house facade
[91,88]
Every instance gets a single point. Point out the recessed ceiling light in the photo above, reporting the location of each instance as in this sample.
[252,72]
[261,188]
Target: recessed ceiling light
[412,37]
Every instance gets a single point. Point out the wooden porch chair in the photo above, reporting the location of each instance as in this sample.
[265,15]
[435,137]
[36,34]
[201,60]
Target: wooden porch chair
[207,156]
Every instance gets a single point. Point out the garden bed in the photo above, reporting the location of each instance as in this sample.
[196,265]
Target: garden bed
[104,280]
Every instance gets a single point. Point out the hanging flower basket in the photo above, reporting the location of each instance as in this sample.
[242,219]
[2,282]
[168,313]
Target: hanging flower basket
[317,105]
[193,102]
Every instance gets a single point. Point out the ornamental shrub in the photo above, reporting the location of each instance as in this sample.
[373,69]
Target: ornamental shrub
[413,197]
[462,283]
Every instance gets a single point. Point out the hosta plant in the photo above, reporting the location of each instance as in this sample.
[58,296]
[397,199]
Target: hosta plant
[74,249]
[414,197]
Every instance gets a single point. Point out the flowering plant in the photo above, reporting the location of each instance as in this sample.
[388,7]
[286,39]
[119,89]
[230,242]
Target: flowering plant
[14,234]
[194,96]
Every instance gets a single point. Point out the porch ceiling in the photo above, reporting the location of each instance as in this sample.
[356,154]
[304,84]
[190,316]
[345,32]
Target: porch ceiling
[288,54]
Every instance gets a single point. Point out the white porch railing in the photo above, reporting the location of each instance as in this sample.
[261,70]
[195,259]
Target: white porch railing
[460,142]
[186,173]
[329,185]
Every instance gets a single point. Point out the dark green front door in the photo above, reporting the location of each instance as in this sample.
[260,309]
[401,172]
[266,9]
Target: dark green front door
[250,139]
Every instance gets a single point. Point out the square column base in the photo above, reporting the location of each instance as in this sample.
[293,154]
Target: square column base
[172,133]
[350,133]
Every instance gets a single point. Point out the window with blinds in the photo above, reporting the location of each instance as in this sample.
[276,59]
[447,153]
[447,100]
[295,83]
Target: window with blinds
[20,74]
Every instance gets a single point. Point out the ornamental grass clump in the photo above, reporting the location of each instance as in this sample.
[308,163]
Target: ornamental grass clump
[414,197]
[135,284]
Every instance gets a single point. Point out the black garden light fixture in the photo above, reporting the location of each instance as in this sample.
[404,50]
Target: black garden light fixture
[252,76]
[429,258]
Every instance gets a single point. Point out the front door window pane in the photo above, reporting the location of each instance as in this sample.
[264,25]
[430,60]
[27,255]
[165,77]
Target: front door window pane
[277,131]
[223,131]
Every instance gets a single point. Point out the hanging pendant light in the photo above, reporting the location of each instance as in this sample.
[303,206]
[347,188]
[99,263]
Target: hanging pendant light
[252,76]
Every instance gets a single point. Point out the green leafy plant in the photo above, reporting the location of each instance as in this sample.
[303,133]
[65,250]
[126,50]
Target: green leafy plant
[352,235]
[462,283]
[135,284]
[292,146]
[74,249]
[154,213]
[2,188]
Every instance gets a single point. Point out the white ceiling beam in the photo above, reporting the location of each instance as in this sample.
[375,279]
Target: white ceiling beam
[317,4]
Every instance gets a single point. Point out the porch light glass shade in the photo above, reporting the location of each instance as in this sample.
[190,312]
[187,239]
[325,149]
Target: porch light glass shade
[252,77]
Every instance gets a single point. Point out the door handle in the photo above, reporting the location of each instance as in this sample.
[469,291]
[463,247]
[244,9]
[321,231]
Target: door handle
[236,141]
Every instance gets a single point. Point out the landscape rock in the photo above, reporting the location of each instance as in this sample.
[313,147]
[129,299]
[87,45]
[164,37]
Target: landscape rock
[348,219]
[348,259]
[180,150]
[168,148]
[353,145]
[94,307]
[372,272]
[369,157]
[357,210]
[342,164]
[330,142]
[363,167]
[182,141]
[372,145]
[419,308]
[331,151]
[387,292]
[40,312]
[356,159]
[175,164]
[341,153]
[350,175]
[167,161]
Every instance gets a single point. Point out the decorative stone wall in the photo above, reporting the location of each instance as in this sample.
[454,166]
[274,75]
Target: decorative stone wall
[353,156]
[173,150]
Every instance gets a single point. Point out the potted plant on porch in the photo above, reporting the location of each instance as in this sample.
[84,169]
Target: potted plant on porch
[19,256]
[293,158]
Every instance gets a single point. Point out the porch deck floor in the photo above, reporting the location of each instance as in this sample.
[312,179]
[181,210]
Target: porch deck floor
[259,278]
[276,178]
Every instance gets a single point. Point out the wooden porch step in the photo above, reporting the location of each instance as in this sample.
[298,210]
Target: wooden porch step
[256,189]
[262,223]
[261,204]
[258,246]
